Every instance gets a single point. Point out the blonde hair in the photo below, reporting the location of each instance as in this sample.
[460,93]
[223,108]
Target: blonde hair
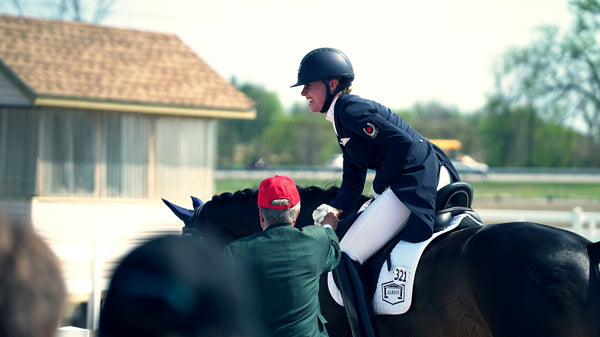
[347,89]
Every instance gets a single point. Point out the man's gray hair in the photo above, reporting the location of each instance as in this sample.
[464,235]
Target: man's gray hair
[279,216]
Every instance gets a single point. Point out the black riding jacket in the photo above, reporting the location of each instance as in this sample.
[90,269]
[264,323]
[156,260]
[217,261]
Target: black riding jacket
[373,137]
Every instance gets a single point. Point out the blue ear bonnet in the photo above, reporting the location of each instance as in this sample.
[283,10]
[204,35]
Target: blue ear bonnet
[190,217]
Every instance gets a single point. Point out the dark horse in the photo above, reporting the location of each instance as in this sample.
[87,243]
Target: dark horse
[503,280]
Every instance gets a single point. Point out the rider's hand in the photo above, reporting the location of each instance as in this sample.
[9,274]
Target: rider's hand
[320,212]
[331,219]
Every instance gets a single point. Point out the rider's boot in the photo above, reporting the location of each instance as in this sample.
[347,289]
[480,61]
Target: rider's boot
[350,281]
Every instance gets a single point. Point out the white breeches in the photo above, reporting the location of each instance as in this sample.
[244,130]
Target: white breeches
[444,178]
[381,221]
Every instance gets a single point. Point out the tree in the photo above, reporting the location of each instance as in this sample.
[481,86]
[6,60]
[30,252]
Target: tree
[554,80]
[240,141]
[75,10]
[583,49]
[505,137]
[435,120]
[301,139]
[279,138]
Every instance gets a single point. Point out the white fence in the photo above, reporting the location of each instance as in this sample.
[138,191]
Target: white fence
[578,221]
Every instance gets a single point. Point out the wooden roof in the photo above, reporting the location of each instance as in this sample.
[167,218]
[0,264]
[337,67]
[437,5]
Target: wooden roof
[72,64]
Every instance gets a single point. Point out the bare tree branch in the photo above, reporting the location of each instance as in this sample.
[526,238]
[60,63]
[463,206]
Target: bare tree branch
[77,10]
[18,6]
[102,9]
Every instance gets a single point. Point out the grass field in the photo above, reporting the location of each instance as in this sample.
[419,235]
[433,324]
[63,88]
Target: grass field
[484,189]
[559,190]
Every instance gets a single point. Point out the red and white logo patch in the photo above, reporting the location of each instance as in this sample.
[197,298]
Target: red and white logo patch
[371,130]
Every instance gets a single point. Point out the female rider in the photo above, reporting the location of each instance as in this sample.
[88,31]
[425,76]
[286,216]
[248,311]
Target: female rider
[409,171]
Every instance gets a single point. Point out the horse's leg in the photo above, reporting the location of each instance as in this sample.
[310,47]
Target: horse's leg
[533,280]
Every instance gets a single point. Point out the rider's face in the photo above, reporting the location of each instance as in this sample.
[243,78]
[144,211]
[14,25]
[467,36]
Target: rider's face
[315,94]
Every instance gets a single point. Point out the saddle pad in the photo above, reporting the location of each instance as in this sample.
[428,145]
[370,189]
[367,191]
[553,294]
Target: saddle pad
[393,295]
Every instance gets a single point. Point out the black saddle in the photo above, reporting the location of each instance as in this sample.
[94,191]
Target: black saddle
[458,194]
[452,200]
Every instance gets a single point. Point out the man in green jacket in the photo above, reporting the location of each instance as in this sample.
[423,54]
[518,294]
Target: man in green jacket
[285,263]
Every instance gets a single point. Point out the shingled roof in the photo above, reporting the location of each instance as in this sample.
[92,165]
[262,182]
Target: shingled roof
[73,64]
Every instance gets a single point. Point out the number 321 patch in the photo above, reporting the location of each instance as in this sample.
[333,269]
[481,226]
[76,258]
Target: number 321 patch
[394,292]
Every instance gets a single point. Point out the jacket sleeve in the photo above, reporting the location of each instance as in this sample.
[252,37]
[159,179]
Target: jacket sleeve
[334,253]
[366,120]
[353,183]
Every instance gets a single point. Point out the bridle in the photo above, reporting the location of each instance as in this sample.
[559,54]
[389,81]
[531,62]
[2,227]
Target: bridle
[194,228]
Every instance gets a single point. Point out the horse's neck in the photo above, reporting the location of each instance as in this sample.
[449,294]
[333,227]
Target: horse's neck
[235,215]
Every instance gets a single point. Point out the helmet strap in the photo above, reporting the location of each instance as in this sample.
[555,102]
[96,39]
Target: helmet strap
[329,95]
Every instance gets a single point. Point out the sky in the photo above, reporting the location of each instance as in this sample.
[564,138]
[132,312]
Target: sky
[403,52]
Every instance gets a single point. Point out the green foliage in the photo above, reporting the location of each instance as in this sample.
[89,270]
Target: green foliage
[549,85]
[268,106]
[299,138]
[502,134]
[587,14]
[505,135]
[542,91]
[434,120]
[239,141]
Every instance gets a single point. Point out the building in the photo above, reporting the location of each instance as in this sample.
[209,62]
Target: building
[96,125]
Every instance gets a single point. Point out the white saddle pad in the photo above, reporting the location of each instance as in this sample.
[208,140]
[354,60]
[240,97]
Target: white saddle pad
[393,295]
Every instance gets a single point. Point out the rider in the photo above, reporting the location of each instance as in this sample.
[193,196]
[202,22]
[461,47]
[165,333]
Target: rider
[409,171]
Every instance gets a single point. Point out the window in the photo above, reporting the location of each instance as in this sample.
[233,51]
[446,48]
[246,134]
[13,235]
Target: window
[112,155]
[127,139]
[18,144]
[68,153]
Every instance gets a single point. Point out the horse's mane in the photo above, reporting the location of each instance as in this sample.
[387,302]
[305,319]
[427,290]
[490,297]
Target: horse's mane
[231,201]
[244,194]
[249,193]
[311,191]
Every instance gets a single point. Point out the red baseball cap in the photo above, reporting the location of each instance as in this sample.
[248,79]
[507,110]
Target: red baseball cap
[277,187]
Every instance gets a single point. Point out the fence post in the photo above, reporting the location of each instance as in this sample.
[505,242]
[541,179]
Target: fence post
[93,309]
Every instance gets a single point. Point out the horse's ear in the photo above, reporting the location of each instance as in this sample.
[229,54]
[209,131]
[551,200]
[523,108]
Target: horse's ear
[184,214]
[196,202]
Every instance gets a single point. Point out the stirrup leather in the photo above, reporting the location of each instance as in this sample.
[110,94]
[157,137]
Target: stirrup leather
[358,311]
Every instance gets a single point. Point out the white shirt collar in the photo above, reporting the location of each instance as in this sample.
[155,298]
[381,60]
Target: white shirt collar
[330,111]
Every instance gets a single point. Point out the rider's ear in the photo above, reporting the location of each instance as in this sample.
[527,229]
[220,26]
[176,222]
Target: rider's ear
[333,84]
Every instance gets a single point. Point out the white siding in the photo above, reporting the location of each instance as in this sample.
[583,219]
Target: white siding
[78,229]
[10,94]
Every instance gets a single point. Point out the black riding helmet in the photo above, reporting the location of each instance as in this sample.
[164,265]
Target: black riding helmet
[324,64]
